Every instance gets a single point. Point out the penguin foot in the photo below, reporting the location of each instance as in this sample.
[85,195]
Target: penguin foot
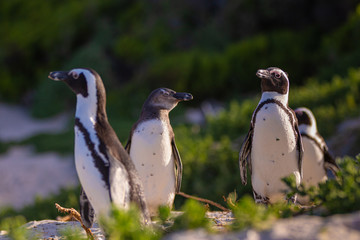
[76,215]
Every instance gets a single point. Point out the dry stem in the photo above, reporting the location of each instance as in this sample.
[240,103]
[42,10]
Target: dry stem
[77,216]
[203,200]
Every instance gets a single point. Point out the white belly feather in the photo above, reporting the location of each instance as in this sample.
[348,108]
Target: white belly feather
[274,154]
[92,181]
[313,163]
[151,153]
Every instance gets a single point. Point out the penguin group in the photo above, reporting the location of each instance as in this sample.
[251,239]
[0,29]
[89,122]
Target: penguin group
[148,171]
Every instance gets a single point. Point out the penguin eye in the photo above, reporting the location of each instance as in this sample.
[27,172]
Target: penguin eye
[165,93]
[75,75]
[276,74]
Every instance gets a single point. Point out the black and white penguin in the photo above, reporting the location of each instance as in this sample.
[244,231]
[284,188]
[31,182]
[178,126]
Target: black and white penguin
[152,148]
[105,170]
[317,160]
[273,147]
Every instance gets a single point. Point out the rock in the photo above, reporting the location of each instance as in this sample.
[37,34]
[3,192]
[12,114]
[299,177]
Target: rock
[345,226]
[51,229]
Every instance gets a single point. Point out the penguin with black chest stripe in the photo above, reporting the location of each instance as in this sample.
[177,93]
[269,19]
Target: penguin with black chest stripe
[317,160]
[152,148]
[273,146]
[105,170]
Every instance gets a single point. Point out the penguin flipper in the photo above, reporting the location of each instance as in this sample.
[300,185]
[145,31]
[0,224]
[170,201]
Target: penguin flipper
[329,162]
[300,148]
[244,155]
[121,159]
[178,165]
[86,210]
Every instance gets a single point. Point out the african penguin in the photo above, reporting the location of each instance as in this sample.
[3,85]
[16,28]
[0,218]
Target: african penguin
[317,159]
[152,148]
[273,146]
[105,170]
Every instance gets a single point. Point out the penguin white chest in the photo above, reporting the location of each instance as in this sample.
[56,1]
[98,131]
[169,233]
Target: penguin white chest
[313,163]
[274,152]
[151,152]
[90,177]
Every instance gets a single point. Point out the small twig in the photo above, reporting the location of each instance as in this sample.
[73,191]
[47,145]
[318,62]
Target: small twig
[75,214]
[203,200]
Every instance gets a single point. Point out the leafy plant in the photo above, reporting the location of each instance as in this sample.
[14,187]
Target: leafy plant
[73,234]
[248,214]
[126,224]
[339,195]
[14,226]
[193,217]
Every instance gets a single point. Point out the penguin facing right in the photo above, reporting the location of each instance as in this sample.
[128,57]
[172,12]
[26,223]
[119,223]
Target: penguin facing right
[317,160]
[273,146]
[152,148]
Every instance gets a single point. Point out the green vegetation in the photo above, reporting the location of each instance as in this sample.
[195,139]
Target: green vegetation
[249,214]
[126,225]
[193,217]
[14,226]
[211,49]
[340,195]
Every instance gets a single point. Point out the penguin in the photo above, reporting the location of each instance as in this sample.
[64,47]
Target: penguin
[105,170]
[273,146]
[152,148]
[317,160]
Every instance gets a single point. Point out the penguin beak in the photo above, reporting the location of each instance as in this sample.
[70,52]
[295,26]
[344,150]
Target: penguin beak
[262,73]
[183,96]
[59,75]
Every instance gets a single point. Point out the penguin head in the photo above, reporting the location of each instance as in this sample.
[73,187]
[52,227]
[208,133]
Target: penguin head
[88,87]
[80,80]
[306,120]
[273,79]
[166,99]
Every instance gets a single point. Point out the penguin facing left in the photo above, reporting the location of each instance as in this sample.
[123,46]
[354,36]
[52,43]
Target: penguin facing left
[105,170]
[317,160]
[152,147]
[273,146]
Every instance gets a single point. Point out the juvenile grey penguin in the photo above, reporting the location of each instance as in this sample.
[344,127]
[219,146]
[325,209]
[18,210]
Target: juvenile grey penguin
[105,170]
[152,148]
[317,160]
[273,146]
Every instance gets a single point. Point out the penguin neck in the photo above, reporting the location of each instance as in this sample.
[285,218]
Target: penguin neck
[307,129]
[149,113]
[283,98]
[90,110]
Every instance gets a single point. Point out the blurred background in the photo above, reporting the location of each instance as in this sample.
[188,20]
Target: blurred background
[210,48]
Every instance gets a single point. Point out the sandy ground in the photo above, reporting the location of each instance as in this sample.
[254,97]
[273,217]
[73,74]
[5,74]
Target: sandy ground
[25,174]
[16,124]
